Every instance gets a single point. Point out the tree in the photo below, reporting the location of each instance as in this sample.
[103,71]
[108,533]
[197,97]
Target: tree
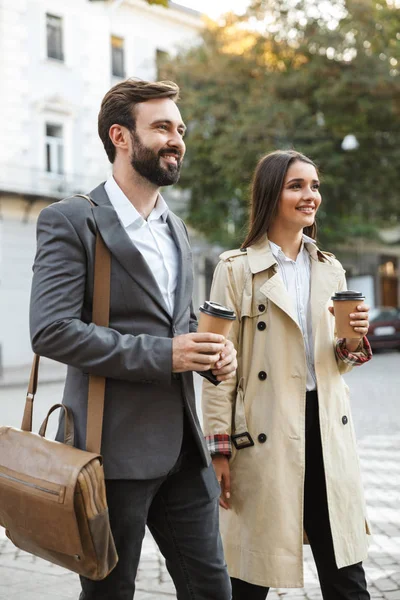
[287,75]
[161,2]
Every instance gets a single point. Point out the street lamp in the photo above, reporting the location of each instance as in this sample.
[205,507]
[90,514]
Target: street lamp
[350,142]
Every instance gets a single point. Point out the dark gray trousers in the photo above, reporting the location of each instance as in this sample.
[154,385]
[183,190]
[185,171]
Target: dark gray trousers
[336,584]
[181,511]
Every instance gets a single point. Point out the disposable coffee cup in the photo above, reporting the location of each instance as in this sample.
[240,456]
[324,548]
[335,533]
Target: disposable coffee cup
[345,303]
[215,318]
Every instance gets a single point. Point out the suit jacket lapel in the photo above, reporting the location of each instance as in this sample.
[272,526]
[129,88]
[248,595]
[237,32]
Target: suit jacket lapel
[122,247]
[183,294]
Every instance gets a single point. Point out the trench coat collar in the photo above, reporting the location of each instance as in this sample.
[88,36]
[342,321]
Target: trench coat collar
[124,250]
[260,256]
[325,275]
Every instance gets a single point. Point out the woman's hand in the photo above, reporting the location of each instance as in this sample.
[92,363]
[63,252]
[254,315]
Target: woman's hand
[226,366]
[223,473]
[360,323]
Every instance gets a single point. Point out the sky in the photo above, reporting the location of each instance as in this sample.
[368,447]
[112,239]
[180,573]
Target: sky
[214,8]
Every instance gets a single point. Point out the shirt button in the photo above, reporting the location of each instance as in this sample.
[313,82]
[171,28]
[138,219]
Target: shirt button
[344,420]
[262,375]
[262,438]
[261,326]
[261,307]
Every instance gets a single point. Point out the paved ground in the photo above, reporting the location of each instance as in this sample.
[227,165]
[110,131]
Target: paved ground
[376,409]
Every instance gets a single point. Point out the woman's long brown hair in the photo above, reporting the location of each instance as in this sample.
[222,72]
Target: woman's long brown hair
[266,188]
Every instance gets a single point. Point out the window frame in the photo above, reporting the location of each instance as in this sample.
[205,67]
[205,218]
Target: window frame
[58,53]
[118,55]
[54,147]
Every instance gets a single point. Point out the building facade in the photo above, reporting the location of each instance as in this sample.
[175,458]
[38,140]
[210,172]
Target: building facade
[373,267]
[58,59]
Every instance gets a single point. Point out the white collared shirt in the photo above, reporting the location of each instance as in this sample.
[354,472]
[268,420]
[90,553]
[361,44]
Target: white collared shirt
[152,238]
[296,276]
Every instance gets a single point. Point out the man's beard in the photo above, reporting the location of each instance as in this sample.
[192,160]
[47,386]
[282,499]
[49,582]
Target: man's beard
[147,163]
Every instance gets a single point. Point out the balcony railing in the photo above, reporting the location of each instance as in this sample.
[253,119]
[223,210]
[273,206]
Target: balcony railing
[15,179]
[41,184]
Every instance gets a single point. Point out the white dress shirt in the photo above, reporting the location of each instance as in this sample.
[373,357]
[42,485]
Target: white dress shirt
[296,276]
[152,238]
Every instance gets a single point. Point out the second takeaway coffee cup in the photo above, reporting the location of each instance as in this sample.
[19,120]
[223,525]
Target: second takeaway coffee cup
[215,318]
[344,303]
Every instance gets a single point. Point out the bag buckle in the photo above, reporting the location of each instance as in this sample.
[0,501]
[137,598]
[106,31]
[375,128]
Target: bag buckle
[242,440]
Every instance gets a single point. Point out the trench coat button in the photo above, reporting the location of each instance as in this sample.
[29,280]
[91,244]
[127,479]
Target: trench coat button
[262,438]
[344,420]
[261,307]
[261,325]
[262,375]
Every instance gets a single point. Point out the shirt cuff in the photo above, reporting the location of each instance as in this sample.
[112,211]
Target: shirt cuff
[358,356]
[219,444]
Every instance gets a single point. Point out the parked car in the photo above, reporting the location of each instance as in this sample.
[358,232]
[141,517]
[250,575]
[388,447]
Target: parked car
[384,329]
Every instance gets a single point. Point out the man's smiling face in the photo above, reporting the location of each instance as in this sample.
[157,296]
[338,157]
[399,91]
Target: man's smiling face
[157,142]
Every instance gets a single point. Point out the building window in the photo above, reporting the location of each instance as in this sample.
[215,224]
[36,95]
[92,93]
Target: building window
[54,149]
[54,27]
[117,56]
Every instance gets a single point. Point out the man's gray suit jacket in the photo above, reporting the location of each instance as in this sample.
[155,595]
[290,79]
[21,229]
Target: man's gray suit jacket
[144,401]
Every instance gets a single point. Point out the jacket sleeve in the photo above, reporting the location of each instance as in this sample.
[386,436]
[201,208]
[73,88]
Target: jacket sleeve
[193,320]
[57,329]
[346,360]
[218,401]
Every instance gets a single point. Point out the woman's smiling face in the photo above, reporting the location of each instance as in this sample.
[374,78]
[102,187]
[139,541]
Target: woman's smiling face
[300,197]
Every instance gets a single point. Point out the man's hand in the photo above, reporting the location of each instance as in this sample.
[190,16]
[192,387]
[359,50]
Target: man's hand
[223,473]
[226,366]
[196,351]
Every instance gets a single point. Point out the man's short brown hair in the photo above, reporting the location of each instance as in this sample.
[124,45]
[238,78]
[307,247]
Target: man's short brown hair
[118,106]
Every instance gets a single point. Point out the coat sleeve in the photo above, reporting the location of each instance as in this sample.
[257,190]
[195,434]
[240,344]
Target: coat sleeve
[57,329]
[218,401]
[346,360]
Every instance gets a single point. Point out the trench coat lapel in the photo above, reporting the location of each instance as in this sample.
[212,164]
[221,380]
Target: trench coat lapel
[274,289]
[261,259]
[325,277]
[183,294]
[122,247]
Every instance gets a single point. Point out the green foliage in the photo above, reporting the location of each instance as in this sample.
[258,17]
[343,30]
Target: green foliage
[160,2]
[306,81]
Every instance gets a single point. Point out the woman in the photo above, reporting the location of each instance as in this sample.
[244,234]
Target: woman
[281,434]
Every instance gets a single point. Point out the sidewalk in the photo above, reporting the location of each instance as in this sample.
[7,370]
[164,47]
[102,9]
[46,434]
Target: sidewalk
[24,577]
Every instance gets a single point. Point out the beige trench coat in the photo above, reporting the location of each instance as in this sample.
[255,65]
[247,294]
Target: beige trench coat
[263,531]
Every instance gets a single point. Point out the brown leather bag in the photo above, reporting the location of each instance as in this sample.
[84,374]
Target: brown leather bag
[52,495]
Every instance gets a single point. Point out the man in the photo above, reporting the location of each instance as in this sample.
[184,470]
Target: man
[157,467]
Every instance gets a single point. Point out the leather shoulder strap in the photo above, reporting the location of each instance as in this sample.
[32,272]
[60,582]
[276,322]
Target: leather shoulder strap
[100,316]
[97,385]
